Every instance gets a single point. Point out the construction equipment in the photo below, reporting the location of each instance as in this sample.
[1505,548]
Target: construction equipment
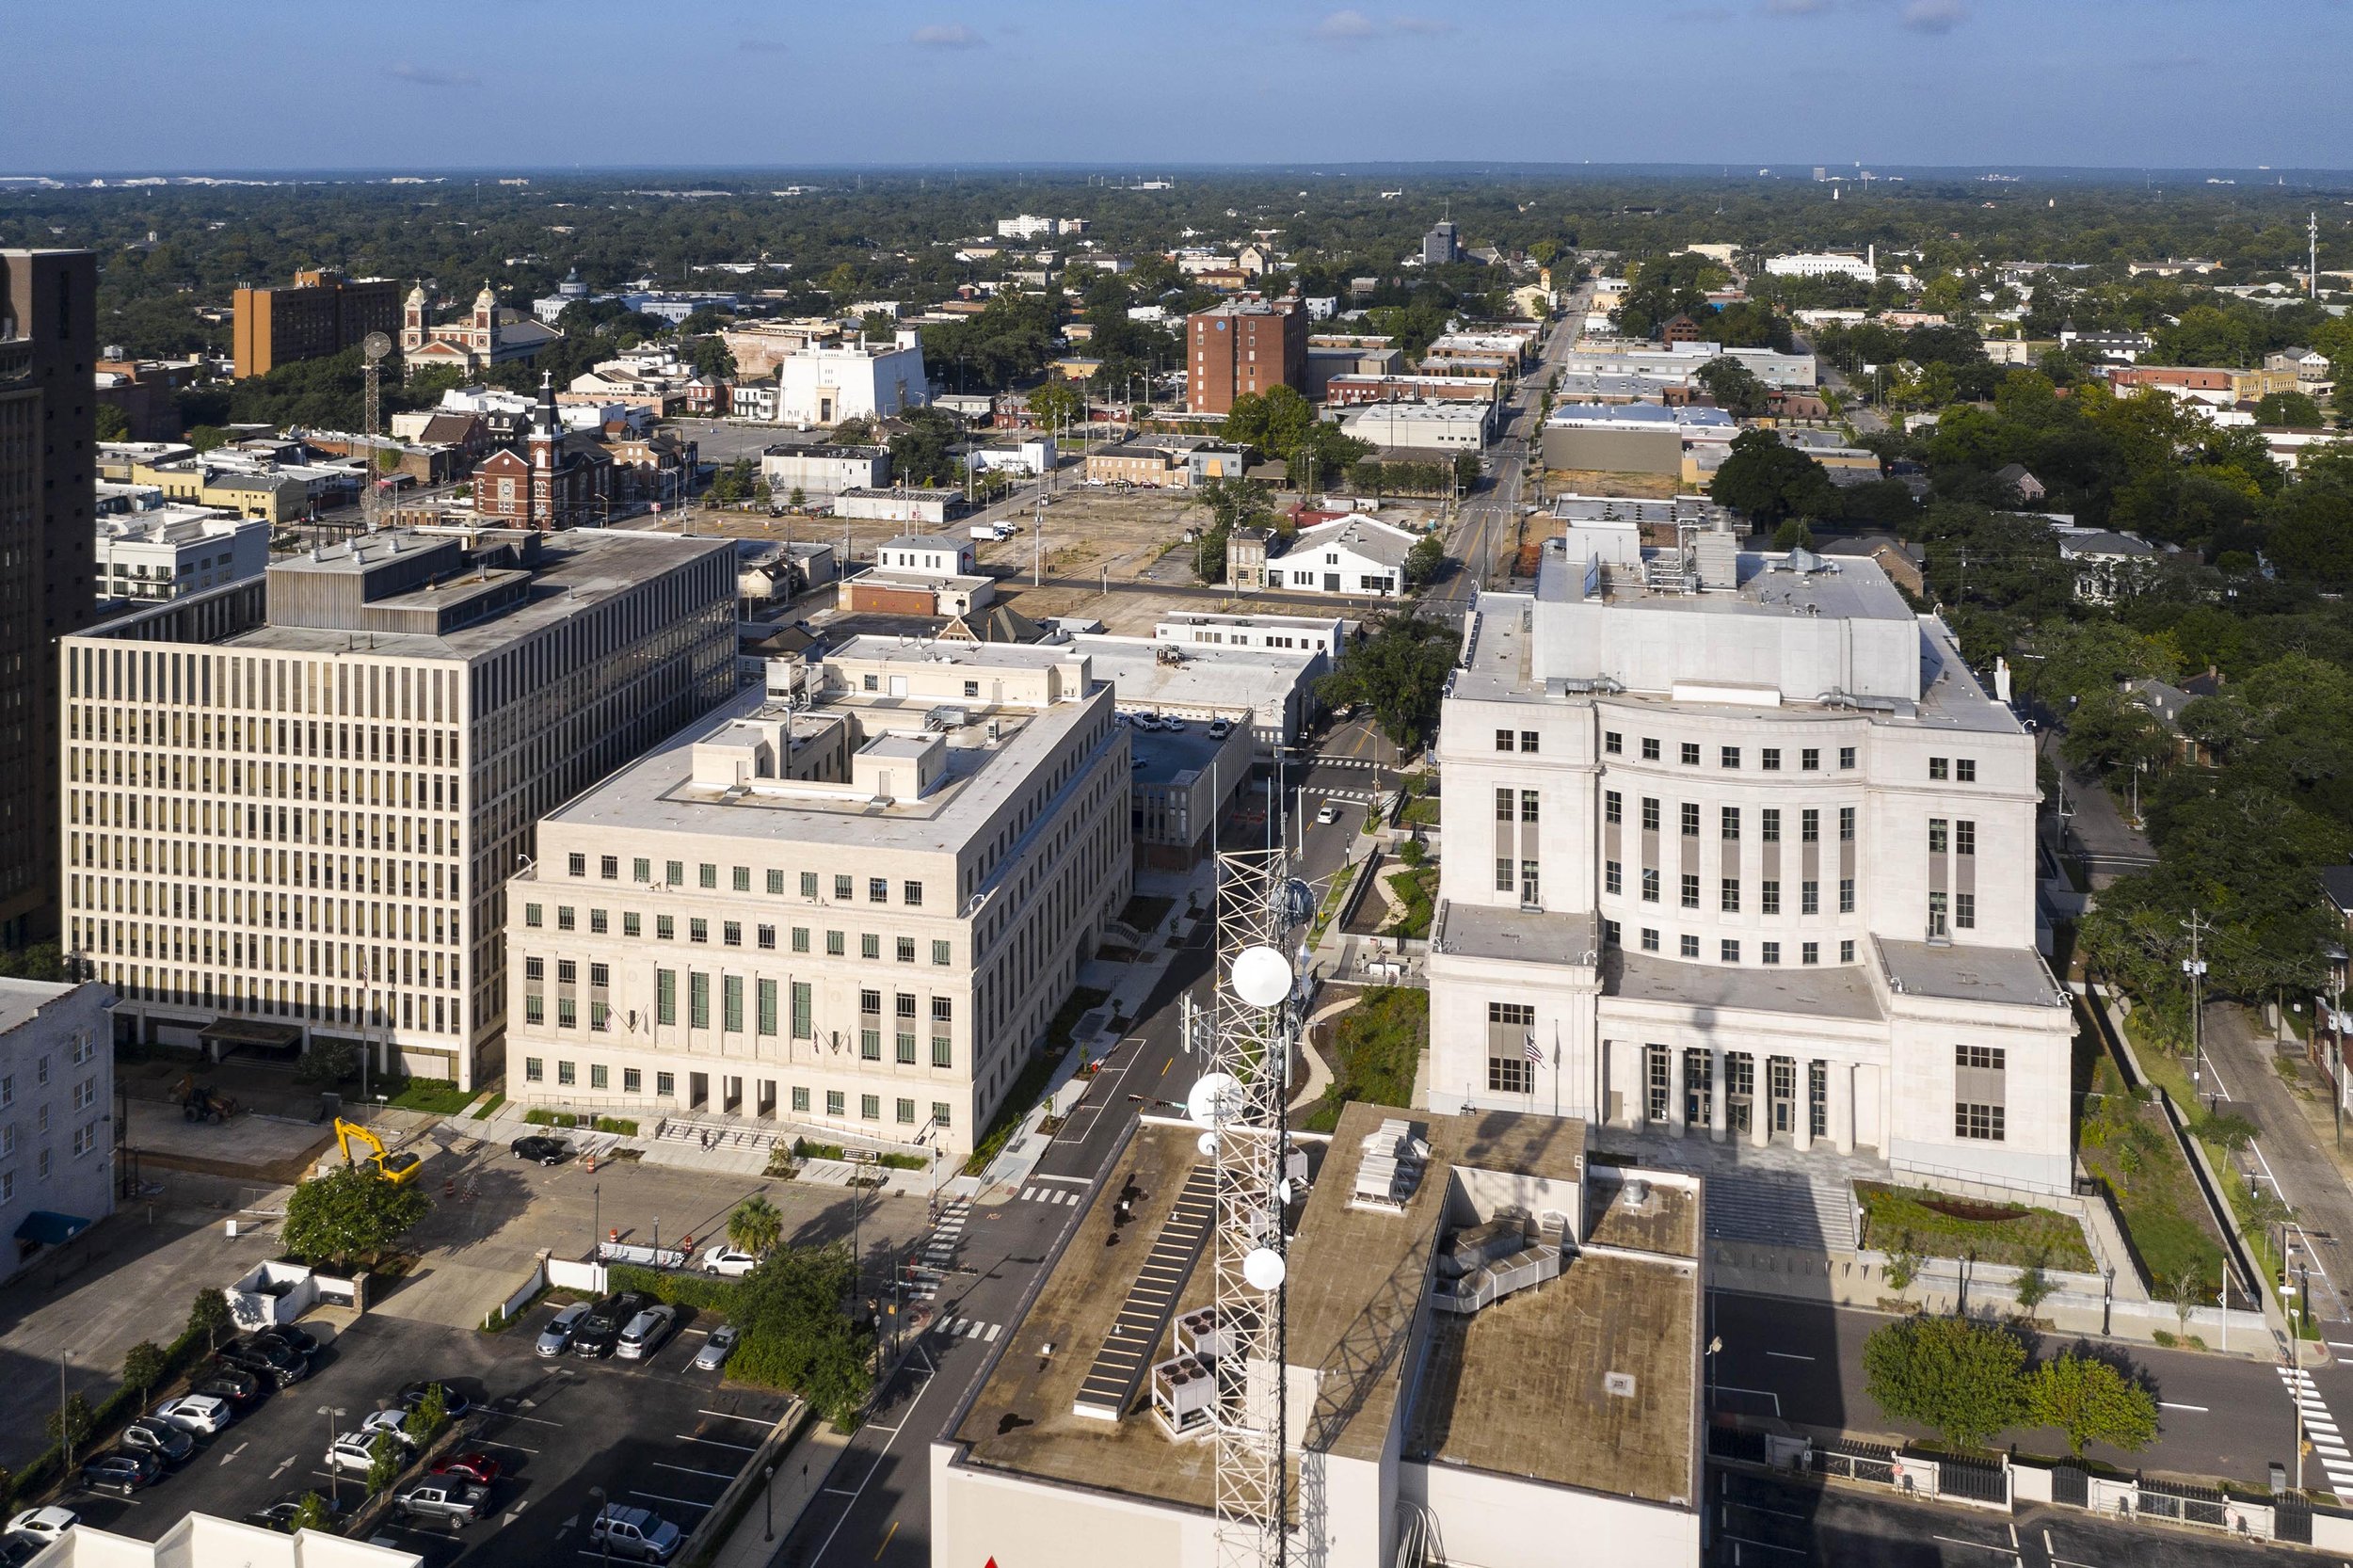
[394,1168]
[198,1103]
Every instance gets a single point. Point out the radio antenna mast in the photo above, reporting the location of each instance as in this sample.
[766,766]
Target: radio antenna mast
[372,351]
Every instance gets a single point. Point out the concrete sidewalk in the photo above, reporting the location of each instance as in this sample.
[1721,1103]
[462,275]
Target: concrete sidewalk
[802,1470]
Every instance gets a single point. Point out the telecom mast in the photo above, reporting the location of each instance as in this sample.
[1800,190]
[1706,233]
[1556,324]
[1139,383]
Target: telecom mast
[372,351]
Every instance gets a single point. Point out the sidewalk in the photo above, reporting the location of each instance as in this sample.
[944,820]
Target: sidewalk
[802,1471]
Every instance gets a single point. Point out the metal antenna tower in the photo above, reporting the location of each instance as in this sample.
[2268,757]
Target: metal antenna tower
[372,351]
[1242,1100]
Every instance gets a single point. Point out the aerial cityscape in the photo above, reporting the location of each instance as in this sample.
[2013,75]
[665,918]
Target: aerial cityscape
[886,631]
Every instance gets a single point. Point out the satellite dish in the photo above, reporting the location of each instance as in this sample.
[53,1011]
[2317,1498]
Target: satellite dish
[375,346]
[1262,976]
[1283,1190]
[1214,1098]
[1263,1269]
[1206,1142]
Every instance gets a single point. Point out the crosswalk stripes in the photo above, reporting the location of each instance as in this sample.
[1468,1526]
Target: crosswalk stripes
[938,1249]
[956,1327]
[1052,1194]
[2320,1427]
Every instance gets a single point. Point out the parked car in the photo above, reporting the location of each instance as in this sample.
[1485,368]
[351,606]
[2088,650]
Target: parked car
[724,1259]
[541,1150]
[638,1532]
[596,1333]
[202,1412]
[393,1421]
[124,1470]
[454,1404]
[1328,814]
[557,1337]
[280,1515]
[644,1333]
[18,1550]
[241,1389]
[1220,729]
[717,1349]
[48,1523]
[449,1499]
[478,1468]
[1170,721]
[267,1357]
[153,1435]
[296,1337]
[352,1453]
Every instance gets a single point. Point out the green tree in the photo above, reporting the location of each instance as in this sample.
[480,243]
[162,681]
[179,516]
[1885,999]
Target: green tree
[387,1458]
[755,1227]
[1793,534]
[1961,1380]
[208,1315]
[2091,1401]
[425,1421]
[1423,561]
[113,424]
[310,1514]
[796,1333]
[350,1215]
[2286,407]
[737,483]
[70,1424]
[143,1367]
[1274,422]
[328,1062]
[1054,405]
[2035,1287]
[798,499]
[1769,481]
[206,437]
[920,452]
[1399,673]
[1734,386]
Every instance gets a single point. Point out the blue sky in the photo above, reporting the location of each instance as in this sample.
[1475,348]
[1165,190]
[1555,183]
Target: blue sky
[163,85]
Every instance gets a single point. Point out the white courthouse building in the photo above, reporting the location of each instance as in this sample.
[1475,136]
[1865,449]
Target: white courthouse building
[1737,847]
[851,904]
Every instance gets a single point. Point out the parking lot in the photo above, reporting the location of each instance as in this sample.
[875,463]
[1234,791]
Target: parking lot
[652,1434]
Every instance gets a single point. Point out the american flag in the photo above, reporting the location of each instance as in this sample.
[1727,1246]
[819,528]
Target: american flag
[1530,1050]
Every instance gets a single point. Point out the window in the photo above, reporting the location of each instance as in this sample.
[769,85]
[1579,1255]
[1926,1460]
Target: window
[1728,822]
[706,874]
[834,944]
[943,1051]
[940,1112]
[1809,898]
[1771,759]
[609,867]
[1650,814]
[1729,951]
[1981,1123]
[631,924]
[1965,911]
[1503,874]
[740,878]
[1768,898]
[1503,740]
[1729,757]
[1503,805]
[1650,939]
[1964,837]
[1938,768]
[1846,895]
[1614,743]
[776,883]
[732,1004]
[534,1008]
[1937,835]
[878,890]
[1728,895]
[1992,1059]
[697,1000]
[802,1025]
[1846,757]
[1809,952]
[870,1108]
[843,889]
[565,1072]
[800,939]
[1846,951]
[641,870]
[1527,739]
[911,894]
[1612,878]
[1650,884]
[1650,749]
[940,954]
[732,933]
[1690,754]
[674,873]
[597,1078]
[1690,947]
[1771,954]
[906,1111]
[1691,891]
[905,950]
[1768,824]
[564,918]
[533,1069]
[698,930]
[1510,1032]
[808,884]
[665,1084]
[1613,935]
[632,1080]
[1530,894]
[800,1099]
[1810,825]
[1612,806]
[1528,805]
[1936,916]
[1845,825]
[531,914]
[665,927]
[869,945]
[576,864]
[1691,815]
[666,996]
[768,937]
[1964,769]
[1810,760]
[834,1097]
[1510,1075]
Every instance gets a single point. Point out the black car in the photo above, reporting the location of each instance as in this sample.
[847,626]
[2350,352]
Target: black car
[167,1441]
[120,1472]
[602,1329]
[280,1515]
[454,1404]
[294,1336]
[240,1387]
[264,1357]
[545,1151]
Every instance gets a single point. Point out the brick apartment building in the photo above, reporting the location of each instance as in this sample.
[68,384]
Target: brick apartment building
[1244,346]
[323,312]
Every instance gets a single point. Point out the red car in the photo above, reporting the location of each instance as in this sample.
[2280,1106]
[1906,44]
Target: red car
[479,1468]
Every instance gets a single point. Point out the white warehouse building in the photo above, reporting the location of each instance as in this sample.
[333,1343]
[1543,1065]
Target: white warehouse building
[828,383]
[1741,849]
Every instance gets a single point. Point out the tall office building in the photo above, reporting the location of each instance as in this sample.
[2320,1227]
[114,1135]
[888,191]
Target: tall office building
[1244,346]
[852,905]
[294,802]
[1442,246]
[48,478]
[322,313]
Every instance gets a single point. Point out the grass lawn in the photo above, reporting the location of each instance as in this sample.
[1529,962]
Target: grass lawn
[1938,1225]
[436,1097]
[2127,1145]
[1416,891]
[1374,1049]
[1031,1083]
[1421,811]
[489,1108]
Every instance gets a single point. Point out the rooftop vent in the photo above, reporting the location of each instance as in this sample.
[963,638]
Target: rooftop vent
[1618,1385]
[1635,1194]
[1804,563]
[1391,1168]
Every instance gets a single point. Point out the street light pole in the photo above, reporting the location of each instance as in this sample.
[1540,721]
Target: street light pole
[335,1414]
[768,1503]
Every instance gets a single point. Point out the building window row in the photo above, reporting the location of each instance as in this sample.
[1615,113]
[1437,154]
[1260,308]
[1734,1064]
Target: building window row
[739,879]
[1768,758]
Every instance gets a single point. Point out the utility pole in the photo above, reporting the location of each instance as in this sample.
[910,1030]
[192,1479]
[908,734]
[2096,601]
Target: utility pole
[2195,966]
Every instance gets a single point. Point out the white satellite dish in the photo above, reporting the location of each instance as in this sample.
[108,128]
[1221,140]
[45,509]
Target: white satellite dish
[1262,976]
[1263,1268]
[1214,1098]
[1206,1142]
[1283,1190]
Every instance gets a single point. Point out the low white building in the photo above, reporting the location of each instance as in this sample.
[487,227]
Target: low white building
[1027,454]
[1271,690]
[1862,268]
[822,472]
[2106,564]
[168,550]
[57,1116]
[1355,555]
[1313,633]
[1423,426]
[926,555]
[202,1541]
[828,383]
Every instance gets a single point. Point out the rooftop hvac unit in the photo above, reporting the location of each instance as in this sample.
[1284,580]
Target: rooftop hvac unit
[1637,1194]
[1184,1395]
[1391,1167]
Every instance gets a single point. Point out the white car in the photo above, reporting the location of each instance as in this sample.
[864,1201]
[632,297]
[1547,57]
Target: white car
[1220,729]
[205,1413]
[44,1523]
[724,1259]
[1329,814]
[354,1451]
[557,1336]
[644,1333]
[1169,721]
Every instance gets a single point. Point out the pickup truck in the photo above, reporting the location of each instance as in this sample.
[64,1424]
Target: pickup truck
[443,1498]
[636,1532]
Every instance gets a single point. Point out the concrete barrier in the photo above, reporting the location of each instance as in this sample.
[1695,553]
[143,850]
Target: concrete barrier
[566,1274]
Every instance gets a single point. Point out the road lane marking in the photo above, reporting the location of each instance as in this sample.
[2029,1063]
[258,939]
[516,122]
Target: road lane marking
[1957,1541]
[2168,1404]
[690,1470]
[1744,1541]
[1073,1181]
[715,1442]
[1787,1356]
[731,1415]
[281,1466]
[234,1453]
[886,1540]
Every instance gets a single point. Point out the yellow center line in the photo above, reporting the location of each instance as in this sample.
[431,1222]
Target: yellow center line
[1164,1067]
[886,1540]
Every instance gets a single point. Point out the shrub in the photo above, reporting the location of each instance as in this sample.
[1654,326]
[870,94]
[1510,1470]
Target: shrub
[431,1414]
[904,1162]
[1961,1380]
[804,1149]
[703,1292]
[620,1125]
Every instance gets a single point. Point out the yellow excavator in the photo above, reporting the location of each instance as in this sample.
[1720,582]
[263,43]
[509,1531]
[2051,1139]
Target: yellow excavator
[394,1168]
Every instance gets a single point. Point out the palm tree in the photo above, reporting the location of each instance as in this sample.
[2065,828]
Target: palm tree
[755,1227]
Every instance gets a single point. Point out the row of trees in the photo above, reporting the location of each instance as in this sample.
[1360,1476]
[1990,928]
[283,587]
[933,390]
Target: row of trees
[1968,1382]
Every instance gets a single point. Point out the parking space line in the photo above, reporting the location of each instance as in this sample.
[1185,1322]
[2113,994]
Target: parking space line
[717,1443]
[731,1415]
[682,1503]
[690,1470]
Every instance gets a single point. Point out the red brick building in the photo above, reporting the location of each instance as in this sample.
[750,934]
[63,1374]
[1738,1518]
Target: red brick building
[556,481]
[1244,346]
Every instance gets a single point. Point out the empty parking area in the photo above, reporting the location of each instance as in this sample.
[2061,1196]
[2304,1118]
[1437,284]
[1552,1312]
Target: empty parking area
[653,1435]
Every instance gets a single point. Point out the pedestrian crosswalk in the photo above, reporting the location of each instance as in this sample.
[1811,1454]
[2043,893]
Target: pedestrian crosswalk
[2320,1427]
[954,1326]
[937,1252]
[1052,1195]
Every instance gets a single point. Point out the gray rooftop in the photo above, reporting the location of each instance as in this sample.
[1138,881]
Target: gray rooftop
[1216,679]
[1375,541]
[1535,935]
[1822,991]
[2013,976]
[22,999]
[1174,759]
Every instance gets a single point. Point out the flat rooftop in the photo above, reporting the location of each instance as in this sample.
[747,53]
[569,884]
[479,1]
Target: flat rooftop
[1218,679]
[2013,976]
[1531,936]
[1174,759]
[20,999]
[1822,991]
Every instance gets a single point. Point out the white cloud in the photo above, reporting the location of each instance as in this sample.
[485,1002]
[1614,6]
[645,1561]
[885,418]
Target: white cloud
[946,35]
[1934,16]
[1346,27]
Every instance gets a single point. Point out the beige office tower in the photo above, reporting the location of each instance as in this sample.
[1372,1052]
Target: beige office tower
[293,804]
